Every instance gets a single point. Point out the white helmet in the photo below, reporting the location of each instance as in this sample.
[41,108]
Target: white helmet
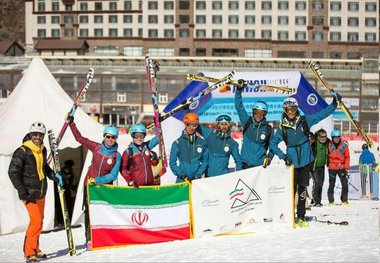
[289,102]
[38,127]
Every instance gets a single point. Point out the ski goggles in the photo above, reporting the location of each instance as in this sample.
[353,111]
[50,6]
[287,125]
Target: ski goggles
[223,118]
[138,135]
[190,124]
[290,109]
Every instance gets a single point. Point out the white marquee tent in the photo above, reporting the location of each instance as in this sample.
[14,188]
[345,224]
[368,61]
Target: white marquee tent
[37,97]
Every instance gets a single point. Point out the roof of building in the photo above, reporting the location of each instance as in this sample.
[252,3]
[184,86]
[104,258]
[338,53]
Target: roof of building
[5,45]
[57,44]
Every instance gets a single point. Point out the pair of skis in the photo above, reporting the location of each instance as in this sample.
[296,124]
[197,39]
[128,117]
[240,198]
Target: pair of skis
[317,72]
[329,222]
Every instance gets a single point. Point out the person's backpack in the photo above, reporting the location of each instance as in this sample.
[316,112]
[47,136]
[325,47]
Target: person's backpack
[267,134]
[305,129]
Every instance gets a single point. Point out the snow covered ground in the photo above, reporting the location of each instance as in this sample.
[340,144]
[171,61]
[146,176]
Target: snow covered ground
[359,241]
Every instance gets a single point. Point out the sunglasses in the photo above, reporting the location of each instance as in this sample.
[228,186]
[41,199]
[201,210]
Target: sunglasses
[138,136]
[290,109]
[323,137]
[110,137]
[36,134]
[192,125]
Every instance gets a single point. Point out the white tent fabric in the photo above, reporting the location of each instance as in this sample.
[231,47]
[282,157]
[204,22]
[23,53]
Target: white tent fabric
[37,97]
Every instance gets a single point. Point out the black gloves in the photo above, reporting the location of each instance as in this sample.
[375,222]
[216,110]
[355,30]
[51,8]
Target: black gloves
[343,173]
[30,198]
[336,96]
[133,183]
[242,84]
[69,118]
[287,161]
[267,161]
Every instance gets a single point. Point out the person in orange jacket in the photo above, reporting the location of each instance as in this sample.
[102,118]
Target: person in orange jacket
[339,164]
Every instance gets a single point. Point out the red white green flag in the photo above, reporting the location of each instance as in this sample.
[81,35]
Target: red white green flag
[124,215]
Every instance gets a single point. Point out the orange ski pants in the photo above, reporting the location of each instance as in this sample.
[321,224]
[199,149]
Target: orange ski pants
[32,235]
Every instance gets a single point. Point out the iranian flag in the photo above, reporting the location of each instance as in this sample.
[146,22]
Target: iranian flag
[151,214]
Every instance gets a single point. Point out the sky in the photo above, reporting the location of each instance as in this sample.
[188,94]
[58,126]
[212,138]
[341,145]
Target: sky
[359,241]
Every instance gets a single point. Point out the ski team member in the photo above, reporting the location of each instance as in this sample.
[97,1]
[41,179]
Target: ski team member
[221,146]
[190,150]
[136,167]
[28,170]
[339,164]
[366,164]
[256,132]
[104,168]
[293,130]
[317,169]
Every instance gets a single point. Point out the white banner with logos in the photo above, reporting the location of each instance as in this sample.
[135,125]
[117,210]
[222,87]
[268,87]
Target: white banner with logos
[250,200]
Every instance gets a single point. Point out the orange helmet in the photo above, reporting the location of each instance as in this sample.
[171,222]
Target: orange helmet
[191,118]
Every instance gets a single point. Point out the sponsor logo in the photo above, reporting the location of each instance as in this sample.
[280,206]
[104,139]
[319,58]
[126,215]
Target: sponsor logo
[207,230]
[209,202]
[312,99]
[268,220]
[194,105]
[276,189]
[243,195]
[238,224]
[140,218]
[252,221]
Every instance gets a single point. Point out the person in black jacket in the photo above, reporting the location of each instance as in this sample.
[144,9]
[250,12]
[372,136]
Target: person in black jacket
[28,171]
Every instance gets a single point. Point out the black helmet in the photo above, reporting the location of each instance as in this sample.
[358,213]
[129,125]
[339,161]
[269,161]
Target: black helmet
[364,146]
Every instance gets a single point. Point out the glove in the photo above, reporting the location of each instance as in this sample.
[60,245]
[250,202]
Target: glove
[91,180]
[343,173]
[31,198]
[69,118]
[287,161]
[58,179]
[187,179]
[182,176]
[133,183]
[336,96]
[266,161]
[242,84]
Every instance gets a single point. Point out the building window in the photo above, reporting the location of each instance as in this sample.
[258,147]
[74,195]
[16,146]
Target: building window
[152,5]
[353,21]
[318,36]
[139,19]
[233,33]
[127,19]
[200,5]
[41,20]
[249,20]
[41,33]
[98,32]
[353,55]
[184,5]
[370,22]
[140,32]
[69,7]
[41,6]
[83,32]
[98,6]
[161,52]
[317,20]
[317,5]
[112,32]
[55,19]
[335,36]
[370,7]
[353,6]
[200,33]
[233,5]
[300,36]
[233,20]
[69,32]
[83,19]
[282,35]
[68,20]
[55,33]
[224,52]
[249,33]
[258,53]
[168,5]
[152,19]
[291,54]
[168,19]
[168,33]
[335,55]
[317,54]
[112,19]
[83,6]
[283,20]
[217,19]
[127,5]
[184,52]
[200,52]
[370,37]
[300,5]
[266,5]
[352,37]
[217,5]
[200,19]
[335,21]
[300,20]
[283,5]
[217,33]
[113,6]
[98,19]
[184,19]
[335,6]
[153,33]
[110,50]
[249,5]
[266,34]
[184,33]
[127,32]
[266,20]
[55,5]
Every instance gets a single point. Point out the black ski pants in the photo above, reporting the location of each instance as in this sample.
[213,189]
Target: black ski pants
[318,176]
[301,181]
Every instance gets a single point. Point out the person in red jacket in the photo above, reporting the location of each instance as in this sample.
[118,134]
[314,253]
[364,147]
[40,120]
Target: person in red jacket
[104,168]
[339,163]
[136,167]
